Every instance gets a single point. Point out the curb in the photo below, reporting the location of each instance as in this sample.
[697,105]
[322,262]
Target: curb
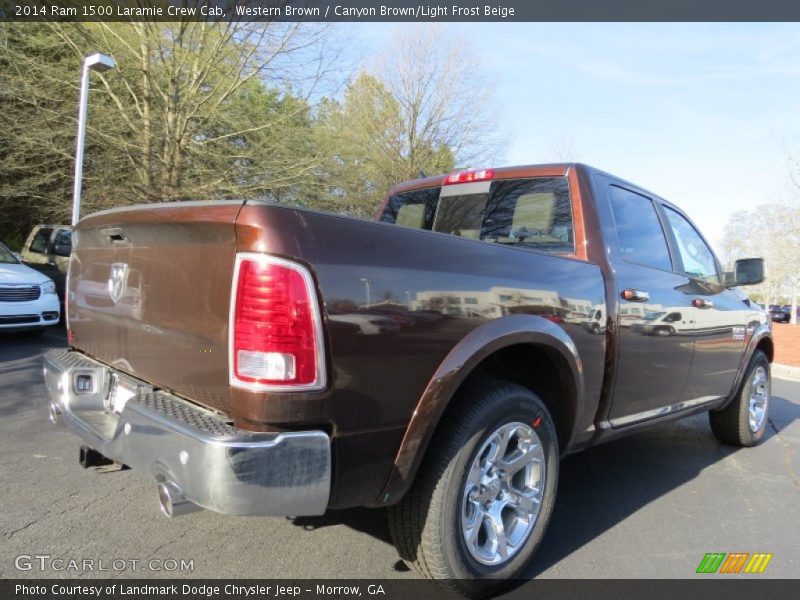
[786,372]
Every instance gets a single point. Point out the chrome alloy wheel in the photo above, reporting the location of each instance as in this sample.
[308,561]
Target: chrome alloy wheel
[503,493]
[759,398]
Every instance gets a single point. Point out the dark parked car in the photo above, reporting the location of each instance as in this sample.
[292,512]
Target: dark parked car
[780,314]
[203,352]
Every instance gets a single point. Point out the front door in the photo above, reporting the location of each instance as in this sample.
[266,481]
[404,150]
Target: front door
[719,314]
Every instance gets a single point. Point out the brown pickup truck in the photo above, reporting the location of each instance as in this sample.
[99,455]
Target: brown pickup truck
[258,359]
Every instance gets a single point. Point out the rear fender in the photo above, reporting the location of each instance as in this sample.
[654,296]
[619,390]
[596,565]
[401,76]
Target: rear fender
[454,370]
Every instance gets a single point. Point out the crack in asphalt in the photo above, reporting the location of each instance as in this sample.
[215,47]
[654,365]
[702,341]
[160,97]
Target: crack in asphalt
[9,535]
[51,512]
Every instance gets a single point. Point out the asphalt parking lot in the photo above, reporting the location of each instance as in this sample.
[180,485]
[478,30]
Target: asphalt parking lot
[647,506]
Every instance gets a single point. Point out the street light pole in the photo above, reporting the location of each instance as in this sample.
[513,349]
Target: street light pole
[366,284]
[95,62]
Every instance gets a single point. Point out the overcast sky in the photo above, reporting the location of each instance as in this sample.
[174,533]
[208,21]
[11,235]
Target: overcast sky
[705,115]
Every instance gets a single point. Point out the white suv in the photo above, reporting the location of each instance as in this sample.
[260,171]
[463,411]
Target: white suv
[28,299]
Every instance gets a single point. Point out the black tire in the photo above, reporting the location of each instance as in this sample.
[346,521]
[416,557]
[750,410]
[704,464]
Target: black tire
[426,525]
[732,424]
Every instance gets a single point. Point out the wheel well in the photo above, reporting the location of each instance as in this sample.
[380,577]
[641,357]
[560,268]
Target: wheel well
[538,368]
[767,347]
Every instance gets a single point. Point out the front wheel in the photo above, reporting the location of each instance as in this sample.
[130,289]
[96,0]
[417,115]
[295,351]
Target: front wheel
[744,421]
[483,497]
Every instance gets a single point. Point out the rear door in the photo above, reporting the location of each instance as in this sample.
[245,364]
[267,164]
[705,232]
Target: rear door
[652,368]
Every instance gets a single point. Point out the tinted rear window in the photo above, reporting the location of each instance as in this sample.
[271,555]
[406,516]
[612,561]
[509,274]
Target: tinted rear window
[411,209]
[534,213]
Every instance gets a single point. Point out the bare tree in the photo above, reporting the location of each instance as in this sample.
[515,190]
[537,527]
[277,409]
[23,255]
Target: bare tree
[562,149]
[194,110]
[422,107]
[444,97]
[182,126]
[771,231]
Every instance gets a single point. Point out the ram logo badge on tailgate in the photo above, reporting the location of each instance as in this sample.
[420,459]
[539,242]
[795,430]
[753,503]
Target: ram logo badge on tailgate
[117,281]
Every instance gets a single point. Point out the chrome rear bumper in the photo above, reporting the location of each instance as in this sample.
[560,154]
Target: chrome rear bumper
[214,465]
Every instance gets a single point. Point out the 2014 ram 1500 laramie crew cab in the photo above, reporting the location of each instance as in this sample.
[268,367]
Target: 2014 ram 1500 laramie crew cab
[259,359]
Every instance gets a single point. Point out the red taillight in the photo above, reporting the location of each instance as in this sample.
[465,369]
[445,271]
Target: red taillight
[469,176]
[275,327]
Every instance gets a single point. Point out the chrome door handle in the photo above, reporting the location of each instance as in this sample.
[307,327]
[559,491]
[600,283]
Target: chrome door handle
[702,303]
[632,295]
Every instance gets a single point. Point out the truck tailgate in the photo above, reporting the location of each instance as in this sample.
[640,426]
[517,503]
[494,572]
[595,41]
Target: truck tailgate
[149,291]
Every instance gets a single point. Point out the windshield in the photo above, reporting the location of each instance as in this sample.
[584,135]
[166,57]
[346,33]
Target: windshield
[7,257]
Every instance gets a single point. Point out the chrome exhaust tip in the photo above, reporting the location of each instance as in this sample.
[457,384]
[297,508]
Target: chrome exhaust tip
[172,501]
[52,413]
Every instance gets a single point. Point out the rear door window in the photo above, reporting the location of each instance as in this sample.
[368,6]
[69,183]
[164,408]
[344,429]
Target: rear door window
[39,241]
[62,245]
[641,237]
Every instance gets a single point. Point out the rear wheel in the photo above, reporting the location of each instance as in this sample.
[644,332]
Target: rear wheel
[744,421]
[482,500]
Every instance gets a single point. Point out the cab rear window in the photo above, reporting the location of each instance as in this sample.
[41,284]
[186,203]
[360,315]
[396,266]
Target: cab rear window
[411,209]
[534,213]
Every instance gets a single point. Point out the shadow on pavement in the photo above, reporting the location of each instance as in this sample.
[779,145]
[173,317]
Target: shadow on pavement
[21,367]
[598,488]
[371,521]
[604,485]
[782,413]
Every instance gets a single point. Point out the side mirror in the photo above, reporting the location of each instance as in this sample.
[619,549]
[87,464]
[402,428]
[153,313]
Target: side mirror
[746,271]
[62,249]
